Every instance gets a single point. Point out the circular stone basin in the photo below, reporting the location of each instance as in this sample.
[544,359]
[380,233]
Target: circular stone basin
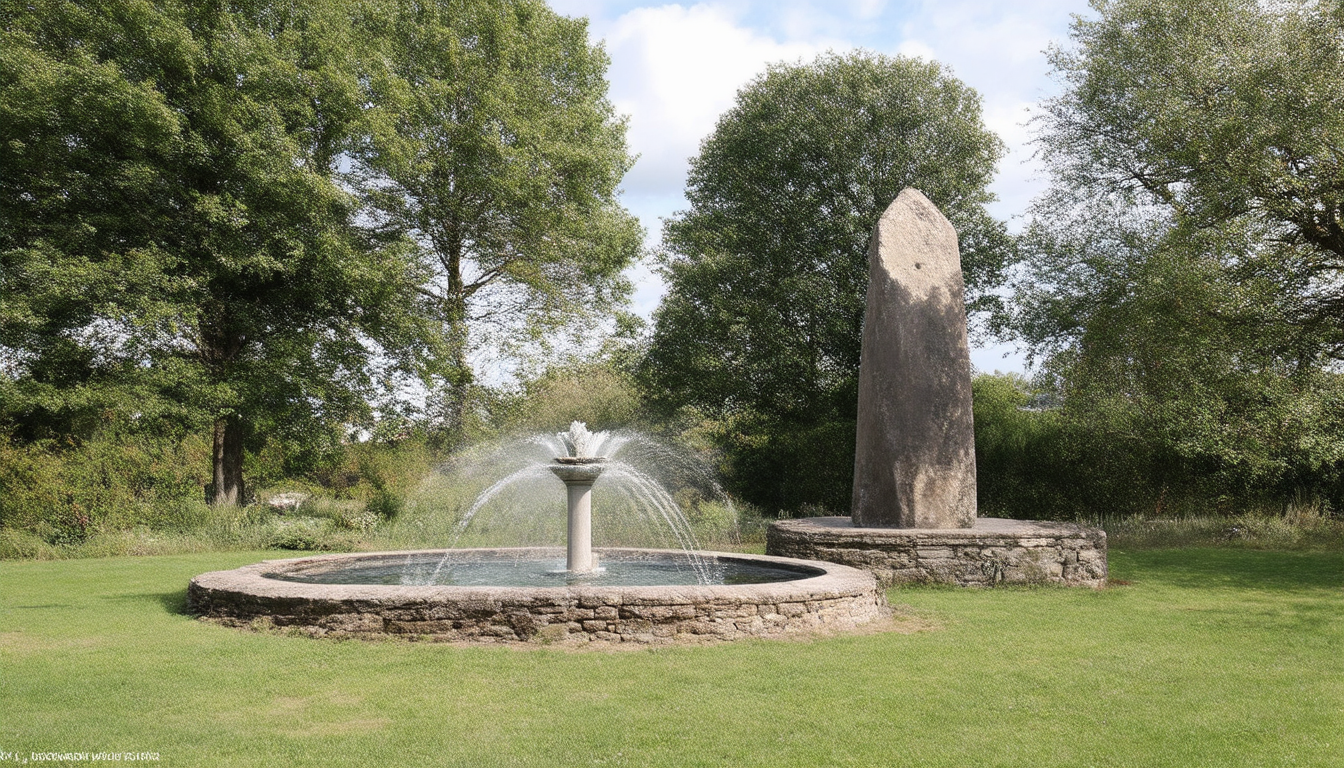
[648,596]
[495,568]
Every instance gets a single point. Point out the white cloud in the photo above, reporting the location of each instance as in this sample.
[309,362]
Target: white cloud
[675,70]
[1019,178]
[998,49]
[868,9]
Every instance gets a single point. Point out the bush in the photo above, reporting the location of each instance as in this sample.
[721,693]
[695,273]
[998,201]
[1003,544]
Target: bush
[1088,460]
[66,492]
[1023,466]
[302,534]
[385,504]
[786,468]
[120,493]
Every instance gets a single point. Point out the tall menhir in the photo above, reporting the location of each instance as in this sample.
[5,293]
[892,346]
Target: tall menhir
[914,464]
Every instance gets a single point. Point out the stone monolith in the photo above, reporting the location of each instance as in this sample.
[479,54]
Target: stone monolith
[914,464]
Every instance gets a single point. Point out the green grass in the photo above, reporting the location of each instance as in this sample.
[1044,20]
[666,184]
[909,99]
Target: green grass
[1294,530]
[1213,657]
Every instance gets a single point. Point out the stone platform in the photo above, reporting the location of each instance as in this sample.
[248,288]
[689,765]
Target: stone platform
[829,598]
[994,551]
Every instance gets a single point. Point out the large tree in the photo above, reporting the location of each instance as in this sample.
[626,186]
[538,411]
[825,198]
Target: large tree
[1182,276]
[1218,113]
[767,270]
[172,241]
[493,147]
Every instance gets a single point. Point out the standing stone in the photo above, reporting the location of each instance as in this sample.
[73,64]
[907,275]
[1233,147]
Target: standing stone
[914,464]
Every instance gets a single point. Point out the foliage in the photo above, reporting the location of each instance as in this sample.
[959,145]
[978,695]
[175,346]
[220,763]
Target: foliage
[1024,468]
[1220,121]
[787,468]
[491,144]
[66,494]
[173,241]
[1222,112]
[1179,282]
[178,254]
[596,392]
[1300,524]
[124,491]
[767,271]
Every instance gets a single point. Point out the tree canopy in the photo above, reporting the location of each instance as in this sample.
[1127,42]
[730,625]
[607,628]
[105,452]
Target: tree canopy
[1182,275]
[767,270]
[492,146]
[1217,112]
[179,243]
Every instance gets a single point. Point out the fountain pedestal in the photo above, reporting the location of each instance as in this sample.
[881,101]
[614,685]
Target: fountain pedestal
[578,475]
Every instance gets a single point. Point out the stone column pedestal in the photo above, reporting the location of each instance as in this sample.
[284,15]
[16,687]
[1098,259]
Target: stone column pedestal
[578,476]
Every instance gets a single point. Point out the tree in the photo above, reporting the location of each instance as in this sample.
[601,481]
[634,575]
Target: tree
[767,270]
[173,245]
[1182,275]
[1220,113]
[492,145]
[1177,363]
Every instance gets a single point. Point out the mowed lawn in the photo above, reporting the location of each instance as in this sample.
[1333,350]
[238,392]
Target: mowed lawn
[1207,657]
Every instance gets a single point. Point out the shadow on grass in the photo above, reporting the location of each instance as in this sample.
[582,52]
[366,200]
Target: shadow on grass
[1239,569]
[174,602]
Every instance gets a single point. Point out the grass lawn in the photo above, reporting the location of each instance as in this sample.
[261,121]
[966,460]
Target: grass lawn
[1208,657]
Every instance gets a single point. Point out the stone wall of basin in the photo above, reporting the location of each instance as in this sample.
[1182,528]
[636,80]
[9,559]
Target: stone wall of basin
[995,551]
[841,598]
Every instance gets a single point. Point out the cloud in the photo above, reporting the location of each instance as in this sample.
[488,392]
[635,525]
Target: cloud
[675,70]
[998,49]
[916,49]
[1020,177]
[868,9]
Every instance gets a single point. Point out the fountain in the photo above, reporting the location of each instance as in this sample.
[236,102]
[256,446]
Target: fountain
[522,594]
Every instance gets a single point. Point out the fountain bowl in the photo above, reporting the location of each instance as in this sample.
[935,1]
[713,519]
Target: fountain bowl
[817,598]
[581,460]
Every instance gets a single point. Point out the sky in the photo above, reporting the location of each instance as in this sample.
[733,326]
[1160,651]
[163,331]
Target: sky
[676,67]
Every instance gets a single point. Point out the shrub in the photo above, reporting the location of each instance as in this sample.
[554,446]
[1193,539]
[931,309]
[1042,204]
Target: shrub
[66,492]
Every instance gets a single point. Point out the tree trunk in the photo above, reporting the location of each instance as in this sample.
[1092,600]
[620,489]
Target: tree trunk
[458,387]
[227,489]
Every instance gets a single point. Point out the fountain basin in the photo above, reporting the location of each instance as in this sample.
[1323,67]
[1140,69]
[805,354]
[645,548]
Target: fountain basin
[820,597]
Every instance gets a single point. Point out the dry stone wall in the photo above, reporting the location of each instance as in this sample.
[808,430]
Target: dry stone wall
[841,598]
[995,551]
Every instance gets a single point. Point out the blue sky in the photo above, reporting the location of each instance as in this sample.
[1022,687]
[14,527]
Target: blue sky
[676,67]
